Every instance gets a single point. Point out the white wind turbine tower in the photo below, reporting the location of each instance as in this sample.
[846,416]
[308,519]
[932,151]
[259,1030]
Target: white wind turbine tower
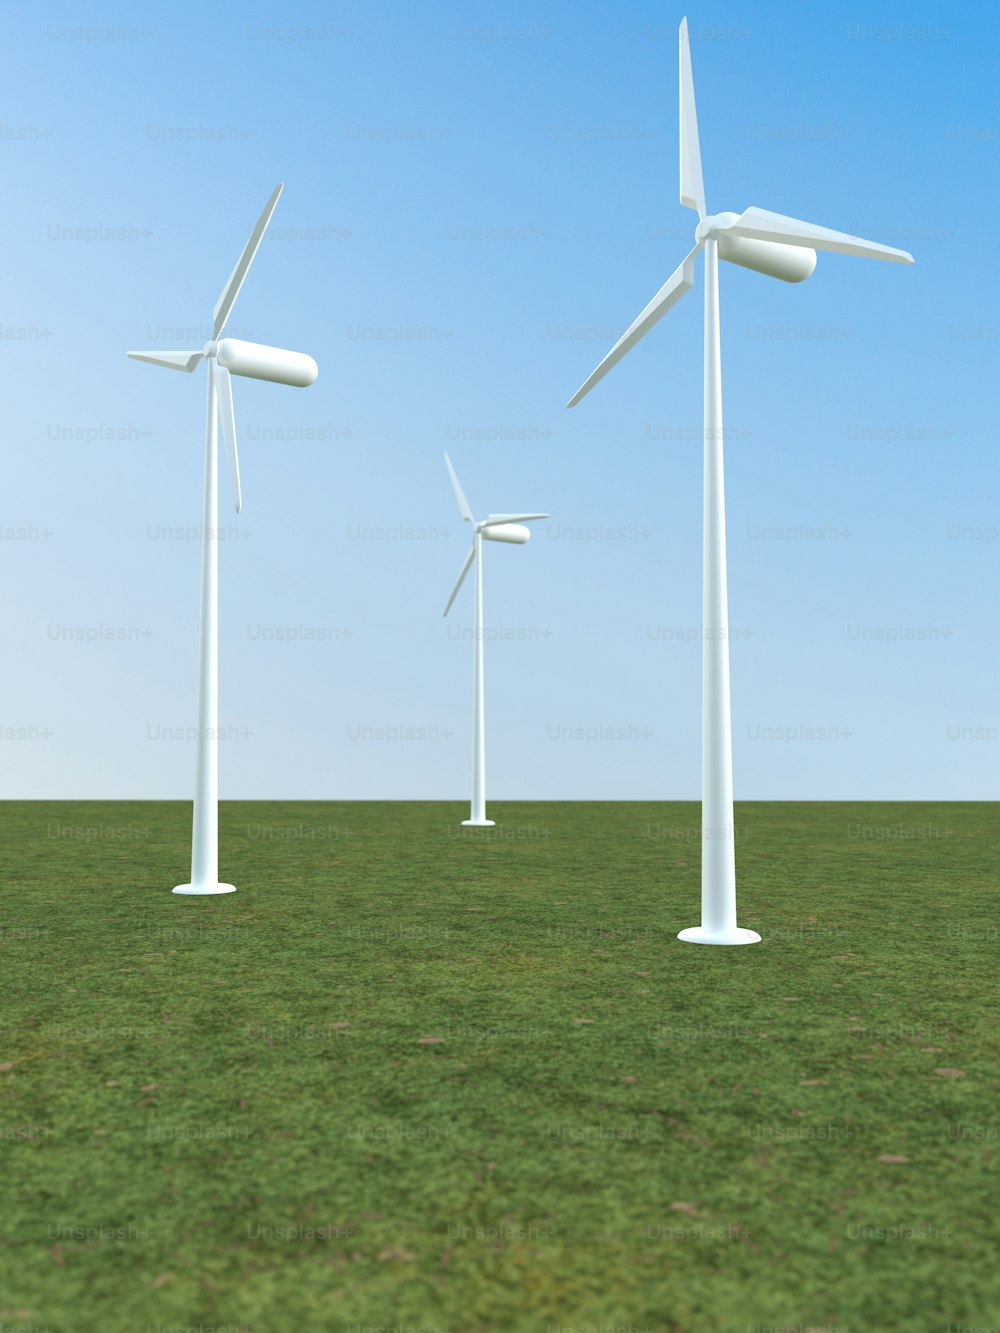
[493,528]
[225,357]
[780,247]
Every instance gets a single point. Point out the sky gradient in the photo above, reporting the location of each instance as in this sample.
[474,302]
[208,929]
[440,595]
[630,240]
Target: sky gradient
[477,201]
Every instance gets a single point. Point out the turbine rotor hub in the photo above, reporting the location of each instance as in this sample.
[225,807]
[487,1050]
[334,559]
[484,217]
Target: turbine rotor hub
[709,228]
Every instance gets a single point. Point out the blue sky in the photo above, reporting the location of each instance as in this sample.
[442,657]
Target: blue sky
[477,200]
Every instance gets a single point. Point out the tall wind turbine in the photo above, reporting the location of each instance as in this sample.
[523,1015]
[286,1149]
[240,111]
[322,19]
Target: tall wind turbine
[225,357]
[493,528]
[780,247]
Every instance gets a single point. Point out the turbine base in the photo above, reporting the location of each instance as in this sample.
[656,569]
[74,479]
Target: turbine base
[702,935]
[478,823]
[204,888]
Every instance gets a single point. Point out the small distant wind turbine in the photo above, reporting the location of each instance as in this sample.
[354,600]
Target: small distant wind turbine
[225,357]
[494,528]
[783,248]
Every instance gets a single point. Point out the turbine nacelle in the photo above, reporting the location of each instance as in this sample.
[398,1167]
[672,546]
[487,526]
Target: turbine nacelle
[790,263]
[256,361]
[517,533]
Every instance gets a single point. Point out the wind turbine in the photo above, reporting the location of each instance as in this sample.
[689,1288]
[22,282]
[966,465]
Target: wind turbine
[780,247]
[225,357]
[493,528]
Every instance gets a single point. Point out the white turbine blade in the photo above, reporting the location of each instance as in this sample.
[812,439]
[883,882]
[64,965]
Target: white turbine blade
[463,504]
[759,225]
[227,419]
[692,186]
[172,360]
[679,282]
[461,578]
[495,520]
[227,300]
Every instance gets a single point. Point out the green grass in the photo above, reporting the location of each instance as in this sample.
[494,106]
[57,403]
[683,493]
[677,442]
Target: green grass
[220,1111]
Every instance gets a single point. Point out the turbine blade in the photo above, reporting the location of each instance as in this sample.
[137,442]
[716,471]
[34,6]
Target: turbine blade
[463,504]
[692,186]
[227,419]
[495,520]
[759,225]
[172,360]
[227,300]
[679,282]
[461,578]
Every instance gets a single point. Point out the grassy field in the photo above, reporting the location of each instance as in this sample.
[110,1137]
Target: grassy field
[412,1076]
